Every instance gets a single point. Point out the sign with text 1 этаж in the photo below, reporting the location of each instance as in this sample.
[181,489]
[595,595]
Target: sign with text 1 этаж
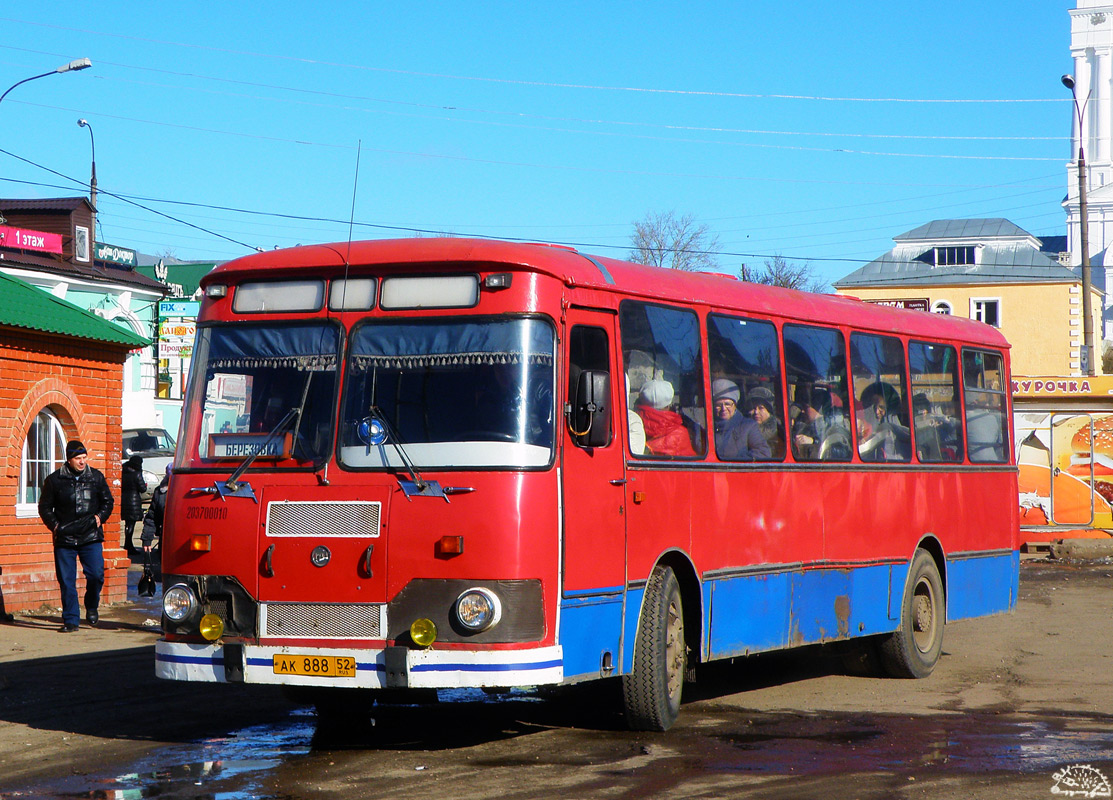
[22,239]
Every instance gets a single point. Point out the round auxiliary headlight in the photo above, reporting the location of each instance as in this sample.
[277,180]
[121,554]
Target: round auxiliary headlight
[423,632]
[178,602]
[212,627]
[478,609]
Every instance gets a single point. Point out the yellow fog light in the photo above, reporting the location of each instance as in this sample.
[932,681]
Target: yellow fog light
[212,627]
[423,632]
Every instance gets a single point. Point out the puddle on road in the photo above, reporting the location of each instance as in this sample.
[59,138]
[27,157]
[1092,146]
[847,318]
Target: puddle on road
[959,743]
[723,741]
[224,768]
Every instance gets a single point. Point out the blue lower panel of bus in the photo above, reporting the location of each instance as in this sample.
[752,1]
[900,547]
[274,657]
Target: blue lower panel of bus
[590,629]
[768,611]
[773,609]
[976,585]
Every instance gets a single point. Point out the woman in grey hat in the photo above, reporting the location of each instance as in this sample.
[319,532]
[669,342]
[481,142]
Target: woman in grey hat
[737,437]
[760,404]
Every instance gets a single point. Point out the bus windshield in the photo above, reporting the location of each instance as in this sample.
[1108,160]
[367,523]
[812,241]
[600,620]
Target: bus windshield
[456,394]
[251,377]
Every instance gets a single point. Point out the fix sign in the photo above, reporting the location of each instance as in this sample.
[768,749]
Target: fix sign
[30,240]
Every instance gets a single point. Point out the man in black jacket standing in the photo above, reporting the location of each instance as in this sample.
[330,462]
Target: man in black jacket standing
[75,503]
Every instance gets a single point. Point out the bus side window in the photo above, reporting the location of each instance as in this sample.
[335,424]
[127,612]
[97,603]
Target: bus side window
[936,426]
[877,366]
[983,380]
[663,361]
[588,351]
[815,368]
[745,365]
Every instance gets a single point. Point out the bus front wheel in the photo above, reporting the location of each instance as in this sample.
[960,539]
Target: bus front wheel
[914,649]
[651,692]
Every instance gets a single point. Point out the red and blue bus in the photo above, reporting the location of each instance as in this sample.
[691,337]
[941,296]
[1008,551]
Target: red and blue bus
[438,463]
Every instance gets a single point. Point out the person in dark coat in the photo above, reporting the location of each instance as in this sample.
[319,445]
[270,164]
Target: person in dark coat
[152,523]
[737,437]
[74,504]
[132,487]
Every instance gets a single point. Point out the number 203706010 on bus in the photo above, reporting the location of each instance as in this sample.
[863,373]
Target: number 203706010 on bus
[319,666]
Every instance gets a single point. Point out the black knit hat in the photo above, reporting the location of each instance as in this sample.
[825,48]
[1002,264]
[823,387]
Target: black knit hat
[74,448]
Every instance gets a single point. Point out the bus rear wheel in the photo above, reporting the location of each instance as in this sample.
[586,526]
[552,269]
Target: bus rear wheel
[651,692]
[914,649]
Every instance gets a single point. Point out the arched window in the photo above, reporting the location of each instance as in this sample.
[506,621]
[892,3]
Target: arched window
[941,307]
[44,450]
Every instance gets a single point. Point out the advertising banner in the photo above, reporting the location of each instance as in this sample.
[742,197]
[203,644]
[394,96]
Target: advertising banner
[22,239]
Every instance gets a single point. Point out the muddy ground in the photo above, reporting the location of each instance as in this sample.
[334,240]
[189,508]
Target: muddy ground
[1017,706]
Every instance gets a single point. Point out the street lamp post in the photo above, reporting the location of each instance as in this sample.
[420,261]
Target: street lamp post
[76,64]
[1084,232]
[84,123]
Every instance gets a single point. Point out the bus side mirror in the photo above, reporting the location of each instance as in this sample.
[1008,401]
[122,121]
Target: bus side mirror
[590,415]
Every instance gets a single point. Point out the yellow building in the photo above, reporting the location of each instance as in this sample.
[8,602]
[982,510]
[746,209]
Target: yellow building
[995,272]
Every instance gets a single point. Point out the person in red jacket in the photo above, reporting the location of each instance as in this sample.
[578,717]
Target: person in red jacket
[665,434]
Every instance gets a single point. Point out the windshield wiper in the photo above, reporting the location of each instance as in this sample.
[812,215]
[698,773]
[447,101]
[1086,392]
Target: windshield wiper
[232,484]
[417,485]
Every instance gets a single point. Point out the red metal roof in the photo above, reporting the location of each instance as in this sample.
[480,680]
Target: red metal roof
[608,274]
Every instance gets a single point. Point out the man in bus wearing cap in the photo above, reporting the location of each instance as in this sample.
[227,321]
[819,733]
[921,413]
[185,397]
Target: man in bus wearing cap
[737,437]
[75,503]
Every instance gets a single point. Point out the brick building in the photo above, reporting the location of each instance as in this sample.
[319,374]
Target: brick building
[61,377]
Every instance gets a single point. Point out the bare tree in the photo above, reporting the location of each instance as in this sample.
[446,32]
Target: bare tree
[666,240]
[779,272]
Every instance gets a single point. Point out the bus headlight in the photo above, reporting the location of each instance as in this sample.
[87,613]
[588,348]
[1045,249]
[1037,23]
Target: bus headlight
[178,602]
[478,609]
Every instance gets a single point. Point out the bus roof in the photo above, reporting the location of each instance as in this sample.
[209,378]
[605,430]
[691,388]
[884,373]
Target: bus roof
[578,269]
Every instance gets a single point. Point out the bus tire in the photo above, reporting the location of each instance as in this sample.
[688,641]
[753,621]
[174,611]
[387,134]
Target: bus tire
[651,691]
[914,649]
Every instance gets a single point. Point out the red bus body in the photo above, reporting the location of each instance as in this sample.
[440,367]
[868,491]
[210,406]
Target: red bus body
[318,568]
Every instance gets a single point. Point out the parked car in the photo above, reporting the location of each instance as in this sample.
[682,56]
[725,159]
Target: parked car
[156,447]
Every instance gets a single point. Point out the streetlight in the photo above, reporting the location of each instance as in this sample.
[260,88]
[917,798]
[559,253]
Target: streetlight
[84,123]
[1084,224]
[76,64]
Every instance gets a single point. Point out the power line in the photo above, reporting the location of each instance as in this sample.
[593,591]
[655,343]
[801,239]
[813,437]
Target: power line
[126,200]
[529,115]
[523,82]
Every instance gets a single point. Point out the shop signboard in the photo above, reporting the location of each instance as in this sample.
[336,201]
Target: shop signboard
[23,239]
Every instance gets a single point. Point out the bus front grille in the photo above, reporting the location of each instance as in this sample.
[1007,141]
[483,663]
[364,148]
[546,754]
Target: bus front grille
[323,620]
[348,518]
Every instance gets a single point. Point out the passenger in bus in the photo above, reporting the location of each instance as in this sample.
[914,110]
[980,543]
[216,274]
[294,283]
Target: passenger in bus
[929,445]
[737,436]
[986,440]
[637,432]
[881,434]
[634,426]
[760,404]
[665,434]
[821,430]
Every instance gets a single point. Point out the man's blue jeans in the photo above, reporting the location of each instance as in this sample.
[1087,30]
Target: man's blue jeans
[65,567]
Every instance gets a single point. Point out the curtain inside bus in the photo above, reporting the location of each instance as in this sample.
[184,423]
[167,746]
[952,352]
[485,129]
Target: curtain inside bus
[470,393]
[249,378]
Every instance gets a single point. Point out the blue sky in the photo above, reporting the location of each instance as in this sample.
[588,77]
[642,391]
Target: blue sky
[816,131]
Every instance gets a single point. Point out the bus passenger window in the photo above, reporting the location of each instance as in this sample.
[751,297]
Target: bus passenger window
[815,370]
[662,358]
[936,424]
[747,398]
[986,429]
[877,363]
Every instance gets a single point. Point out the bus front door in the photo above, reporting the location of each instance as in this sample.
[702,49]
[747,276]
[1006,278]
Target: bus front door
[593,498]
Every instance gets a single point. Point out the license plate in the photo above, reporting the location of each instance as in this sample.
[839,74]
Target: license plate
[316,666]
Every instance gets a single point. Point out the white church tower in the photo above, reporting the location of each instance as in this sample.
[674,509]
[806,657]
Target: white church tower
[1092,49]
